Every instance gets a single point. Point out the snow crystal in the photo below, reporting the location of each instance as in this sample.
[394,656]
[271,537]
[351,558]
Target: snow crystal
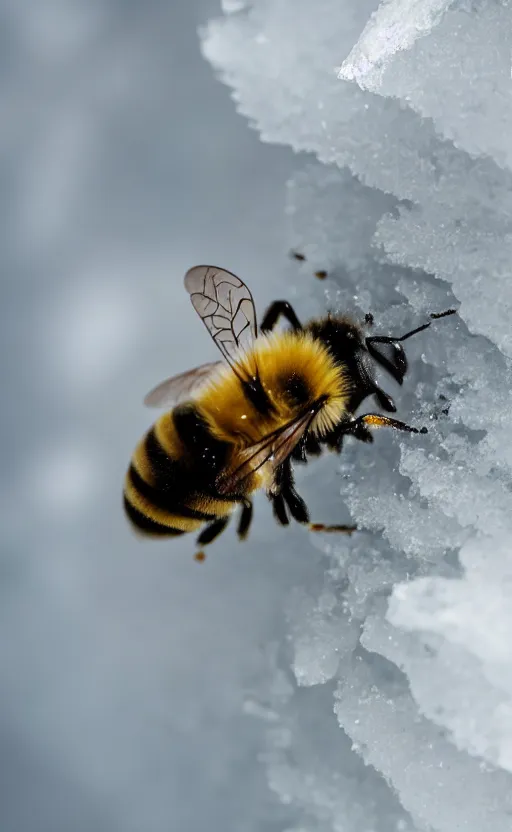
[459,658]
[460,77]
[411,214]
[395,26]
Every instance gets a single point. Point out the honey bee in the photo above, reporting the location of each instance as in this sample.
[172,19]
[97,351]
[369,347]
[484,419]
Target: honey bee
[235,426]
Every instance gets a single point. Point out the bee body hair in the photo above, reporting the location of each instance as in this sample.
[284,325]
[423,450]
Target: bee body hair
[170,487]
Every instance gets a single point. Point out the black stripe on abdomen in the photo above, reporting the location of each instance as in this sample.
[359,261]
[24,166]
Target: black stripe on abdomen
[208,455]
[167,472]
[165,499]
[147,525]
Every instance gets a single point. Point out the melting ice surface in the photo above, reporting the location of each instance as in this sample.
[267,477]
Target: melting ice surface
[391,706]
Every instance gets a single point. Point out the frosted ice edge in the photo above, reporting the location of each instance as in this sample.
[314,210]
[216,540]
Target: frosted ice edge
[394,27]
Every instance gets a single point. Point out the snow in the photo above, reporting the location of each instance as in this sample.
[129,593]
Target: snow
[406,630]
[460,77]
[395,26]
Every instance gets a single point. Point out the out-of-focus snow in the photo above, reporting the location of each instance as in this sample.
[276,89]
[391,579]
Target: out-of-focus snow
[230,6]
[123,662]
[408,626]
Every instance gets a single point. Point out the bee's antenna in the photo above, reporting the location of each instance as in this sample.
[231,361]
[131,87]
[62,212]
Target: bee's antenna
[398,367]
[436,315]
[384,339]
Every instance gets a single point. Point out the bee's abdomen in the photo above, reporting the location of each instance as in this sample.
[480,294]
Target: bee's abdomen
[167,484]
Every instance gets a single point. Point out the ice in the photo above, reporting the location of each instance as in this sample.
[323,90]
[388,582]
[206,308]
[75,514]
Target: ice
[458,657]
[395,26]
[442,788]
[406,629]
[310,762]
[321,636]
[453,78]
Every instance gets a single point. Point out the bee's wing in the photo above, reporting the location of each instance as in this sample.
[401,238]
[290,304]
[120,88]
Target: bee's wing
[225,305]
[181,387]
[274,448]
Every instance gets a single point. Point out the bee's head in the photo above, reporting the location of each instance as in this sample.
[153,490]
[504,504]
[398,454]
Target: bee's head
[359,353]
[348,343]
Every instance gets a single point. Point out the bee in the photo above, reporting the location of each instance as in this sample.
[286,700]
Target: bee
[233,427]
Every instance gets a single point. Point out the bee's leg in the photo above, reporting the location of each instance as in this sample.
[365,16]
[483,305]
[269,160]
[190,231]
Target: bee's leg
[308,446]
[360,430]
[297,506]
[334,439]
[245,519]
[323,527]
[360,427]
[212,530]
[273,313]
[279,509]
[313,446]
[275,496]
[294,502]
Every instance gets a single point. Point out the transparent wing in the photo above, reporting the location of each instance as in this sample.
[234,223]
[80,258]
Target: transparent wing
[225,305]
[181,387]
[274,448]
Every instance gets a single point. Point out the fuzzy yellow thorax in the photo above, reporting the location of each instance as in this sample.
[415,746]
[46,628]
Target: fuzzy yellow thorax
[276,359]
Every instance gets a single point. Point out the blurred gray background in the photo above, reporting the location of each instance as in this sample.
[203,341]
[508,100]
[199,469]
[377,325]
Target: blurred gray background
[124,664]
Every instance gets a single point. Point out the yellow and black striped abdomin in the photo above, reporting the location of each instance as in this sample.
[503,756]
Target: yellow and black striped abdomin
[168,483]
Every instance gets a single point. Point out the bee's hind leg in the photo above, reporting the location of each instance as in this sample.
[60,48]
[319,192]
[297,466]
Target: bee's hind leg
[297,506]
[212,530]
[279,508]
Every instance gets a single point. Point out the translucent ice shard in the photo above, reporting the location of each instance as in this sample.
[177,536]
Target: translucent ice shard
[441,787]
[460,76]
[459,656]
[394,27]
